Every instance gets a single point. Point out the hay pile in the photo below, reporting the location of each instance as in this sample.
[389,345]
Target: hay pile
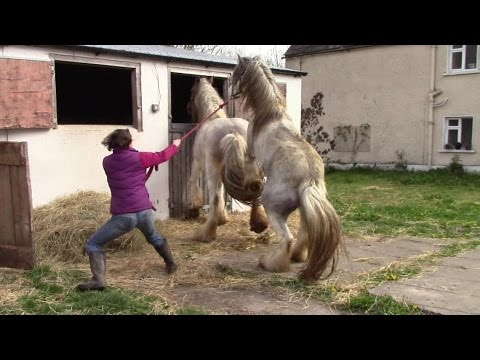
[62,227]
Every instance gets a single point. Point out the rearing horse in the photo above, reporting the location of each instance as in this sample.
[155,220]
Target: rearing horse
[295,176]
[219,152]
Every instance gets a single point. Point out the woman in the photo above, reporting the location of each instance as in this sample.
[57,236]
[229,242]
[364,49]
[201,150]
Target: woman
[130,204]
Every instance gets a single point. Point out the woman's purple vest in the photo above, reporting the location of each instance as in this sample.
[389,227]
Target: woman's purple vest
[126,177]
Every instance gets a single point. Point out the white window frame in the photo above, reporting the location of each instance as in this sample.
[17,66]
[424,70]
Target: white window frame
[458,127]
[85,60]
[463,69]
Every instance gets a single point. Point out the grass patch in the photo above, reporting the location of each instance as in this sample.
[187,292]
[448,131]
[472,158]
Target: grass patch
[414,266]
[456,248]
[392,272]
[425,204]
[54,293]
[359,301]
[368,304]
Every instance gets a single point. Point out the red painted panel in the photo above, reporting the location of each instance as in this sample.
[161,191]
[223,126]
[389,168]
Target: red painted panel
[26,94]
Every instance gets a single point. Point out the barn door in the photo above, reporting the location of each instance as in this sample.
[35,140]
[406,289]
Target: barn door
[180,168]
[16,243]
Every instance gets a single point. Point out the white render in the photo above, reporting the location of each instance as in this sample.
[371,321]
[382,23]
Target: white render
[69,158]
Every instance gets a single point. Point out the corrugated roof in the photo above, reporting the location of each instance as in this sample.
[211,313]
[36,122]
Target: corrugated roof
[299,50]
[173,53]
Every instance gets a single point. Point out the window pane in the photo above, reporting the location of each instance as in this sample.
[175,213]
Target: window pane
[467,133]
[452,137]
[453,122]
[471,57]
[456,46]
[457,60]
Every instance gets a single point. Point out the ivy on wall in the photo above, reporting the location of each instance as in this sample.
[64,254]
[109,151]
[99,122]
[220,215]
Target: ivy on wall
[312,130]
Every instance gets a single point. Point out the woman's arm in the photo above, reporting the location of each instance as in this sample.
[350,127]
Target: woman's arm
[149,159]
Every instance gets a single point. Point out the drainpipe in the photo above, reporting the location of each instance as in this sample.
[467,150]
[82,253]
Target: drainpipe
[431,95]
[431,105]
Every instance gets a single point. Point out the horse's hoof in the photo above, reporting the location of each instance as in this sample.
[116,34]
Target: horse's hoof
[258,228]
[272,266]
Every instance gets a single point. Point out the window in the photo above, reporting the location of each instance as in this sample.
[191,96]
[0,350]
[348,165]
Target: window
[97,94]
[181,87]
[463,58]
[458,133]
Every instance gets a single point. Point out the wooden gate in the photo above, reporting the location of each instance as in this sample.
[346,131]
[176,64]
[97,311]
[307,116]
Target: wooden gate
[16,243]
[180,168]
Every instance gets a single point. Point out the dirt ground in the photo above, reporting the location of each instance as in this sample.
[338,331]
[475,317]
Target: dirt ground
[221,277]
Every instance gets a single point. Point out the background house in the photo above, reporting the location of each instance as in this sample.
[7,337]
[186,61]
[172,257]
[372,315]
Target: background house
[391,104]
[63,100]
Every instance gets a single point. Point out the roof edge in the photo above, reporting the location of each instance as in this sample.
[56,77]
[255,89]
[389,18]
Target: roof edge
[314,52]
[207,63]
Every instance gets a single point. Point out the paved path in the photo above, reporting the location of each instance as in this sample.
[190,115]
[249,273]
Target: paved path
[452,286]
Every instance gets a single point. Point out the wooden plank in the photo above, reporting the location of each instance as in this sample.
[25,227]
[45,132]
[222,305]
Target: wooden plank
[170,186]
[21,203]
[175,176]
[7,231]
[183,177]
[16,243]
[12,153]
[180,170]
[17,257]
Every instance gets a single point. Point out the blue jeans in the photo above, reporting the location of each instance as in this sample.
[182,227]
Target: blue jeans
[121,224]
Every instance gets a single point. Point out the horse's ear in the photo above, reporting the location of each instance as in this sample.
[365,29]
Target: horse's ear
[197,80]
[210,79]
[239,59]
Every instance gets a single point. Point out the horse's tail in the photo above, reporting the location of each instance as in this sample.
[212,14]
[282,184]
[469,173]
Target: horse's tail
[234,148]
[322,227]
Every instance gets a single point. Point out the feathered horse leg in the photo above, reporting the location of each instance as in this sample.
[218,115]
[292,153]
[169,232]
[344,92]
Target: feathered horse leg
[216,210]
[196,194]
[279,206]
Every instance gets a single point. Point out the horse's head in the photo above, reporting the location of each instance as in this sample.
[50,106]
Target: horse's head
[242,68]
[203,99]
[254,81]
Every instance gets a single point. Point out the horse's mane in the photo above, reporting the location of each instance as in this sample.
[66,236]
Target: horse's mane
[207,100]
[258,90]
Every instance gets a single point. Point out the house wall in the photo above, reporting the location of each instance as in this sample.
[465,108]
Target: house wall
[463,94]
[69,158]
[383,86]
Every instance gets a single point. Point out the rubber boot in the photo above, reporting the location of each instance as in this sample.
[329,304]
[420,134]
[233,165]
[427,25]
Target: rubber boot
[98,267]
[167,256]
